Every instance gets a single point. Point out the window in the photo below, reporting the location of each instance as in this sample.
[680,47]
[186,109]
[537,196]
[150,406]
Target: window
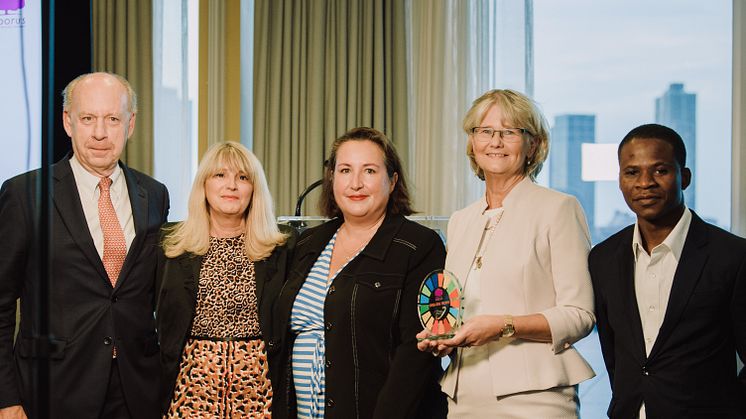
[20,84]
[175,42]
[603,68]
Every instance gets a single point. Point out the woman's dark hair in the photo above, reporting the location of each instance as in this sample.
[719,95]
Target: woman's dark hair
[399,200]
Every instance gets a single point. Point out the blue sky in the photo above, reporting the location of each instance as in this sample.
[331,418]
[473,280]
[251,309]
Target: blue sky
[613,58]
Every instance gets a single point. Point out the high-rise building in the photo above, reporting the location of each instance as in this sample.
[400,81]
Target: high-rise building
[677,109]
[566,160]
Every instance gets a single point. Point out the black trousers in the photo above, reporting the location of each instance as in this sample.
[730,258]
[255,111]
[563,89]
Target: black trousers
[115,406]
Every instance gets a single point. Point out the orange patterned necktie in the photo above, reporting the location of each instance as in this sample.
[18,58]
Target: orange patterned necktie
[115,247]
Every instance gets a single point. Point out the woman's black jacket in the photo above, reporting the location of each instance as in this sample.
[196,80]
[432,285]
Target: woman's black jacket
[177,299]
[373,367]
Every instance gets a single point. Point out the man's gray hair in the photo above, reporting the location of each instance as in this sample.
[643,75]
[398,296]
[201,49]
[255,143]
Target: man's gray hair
[70,88]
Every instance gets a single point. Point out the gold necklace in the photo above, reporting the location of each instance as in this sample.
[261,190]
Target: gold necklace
[346,253]
[345,230]
[489,229]
[349,255]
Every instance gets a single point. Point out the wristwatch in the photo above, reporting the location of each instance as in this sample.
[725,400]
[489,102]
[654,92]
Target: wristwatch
[509,329]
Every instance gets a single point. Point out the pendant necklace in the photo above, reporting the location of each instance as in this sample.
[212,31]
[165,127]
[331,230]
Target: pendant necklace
[489,229]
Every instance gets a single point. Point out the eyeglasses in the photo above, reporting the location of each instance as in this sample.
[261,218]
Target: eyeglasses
[508,135]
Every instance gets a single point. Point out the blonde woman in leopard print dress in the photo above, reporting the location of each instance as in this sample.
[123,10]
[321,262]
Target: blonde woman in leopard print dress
[220,272]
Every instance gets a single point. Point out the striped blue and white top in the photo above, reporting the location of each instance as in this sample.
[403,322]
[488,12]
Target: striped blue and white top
[307,322]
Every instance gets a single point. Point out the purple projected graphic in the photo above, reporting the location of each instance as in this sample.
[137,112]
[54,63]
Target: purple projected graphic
[7,5]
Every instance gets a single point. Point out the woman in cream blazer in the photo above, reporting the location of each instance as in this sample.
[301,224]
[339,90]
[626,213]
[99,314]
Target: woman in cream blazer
[520,253]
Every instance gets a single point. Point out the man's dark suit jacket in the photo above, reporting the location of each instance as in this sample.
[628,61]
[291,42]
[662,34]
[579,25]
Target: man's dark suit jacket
[177,300]
[691,370]
[87,315]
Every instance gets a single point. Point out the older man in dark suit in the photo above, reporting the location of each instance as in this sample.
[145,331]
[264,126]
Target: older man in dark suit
[105,221]
[670,294]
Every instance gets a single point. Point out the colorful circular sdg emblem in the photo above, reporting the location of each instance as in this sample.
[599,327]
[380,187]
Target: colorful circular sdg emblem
[439,304]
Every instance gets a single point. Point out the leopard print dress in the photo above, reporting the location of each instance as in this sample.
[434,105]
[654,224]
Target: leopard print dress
[224,371]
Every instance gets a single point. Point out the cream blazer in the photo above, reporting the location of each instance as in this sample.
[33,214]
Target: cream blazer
[535,262]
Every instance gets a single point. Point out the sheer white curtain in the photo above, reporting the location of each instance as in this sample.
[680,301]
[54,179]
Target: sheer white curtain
[175,35]
[459,50]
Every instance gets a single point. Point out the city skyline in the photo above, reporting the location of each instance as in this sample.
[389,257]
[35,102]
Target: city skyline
[612,59]
[677,110]
[565,161]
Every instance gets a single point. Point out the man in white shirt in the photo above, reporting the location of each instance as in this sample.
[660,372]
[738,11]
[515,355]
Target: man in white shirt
[670,294]
[105,221]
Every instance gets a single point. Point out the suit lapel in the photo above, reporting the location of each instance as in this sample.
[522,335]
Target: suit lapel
[461,263]
[688,272]
[308,248]
[381,241]
[191,266]
[626,260]
[139,203]
[67,203]
[264,270]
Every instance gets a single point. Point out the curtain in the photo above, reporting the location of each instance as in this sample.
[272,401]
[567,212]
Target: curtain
[459,50]
[122,44]
[321,68]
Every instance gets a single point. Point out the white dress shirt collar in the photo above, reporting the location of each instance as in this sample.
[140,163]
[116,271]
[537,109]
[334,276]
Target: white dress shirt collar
[88,180]
[89,193]
[674,241]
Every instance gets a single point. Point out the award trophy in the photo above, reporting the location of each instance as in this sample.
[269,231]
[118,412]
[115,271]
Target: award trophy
[439,304]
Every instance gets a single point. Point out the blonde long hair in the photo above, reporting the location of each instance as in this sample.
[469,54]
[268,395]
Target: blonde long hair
[193,234]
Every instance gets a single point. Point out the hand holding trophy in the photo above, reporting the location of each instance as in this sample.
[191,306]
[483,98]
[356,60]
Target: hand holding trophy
[439,304]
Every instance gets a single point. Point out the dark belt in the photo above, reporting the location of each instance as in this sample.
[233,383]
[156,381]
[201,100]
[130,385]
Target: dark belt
[227,339]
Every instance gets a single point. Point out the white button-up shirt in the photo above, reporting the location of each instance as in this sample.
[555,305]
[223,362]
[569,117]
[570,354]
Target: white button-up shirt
[654,274]
[87,184]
